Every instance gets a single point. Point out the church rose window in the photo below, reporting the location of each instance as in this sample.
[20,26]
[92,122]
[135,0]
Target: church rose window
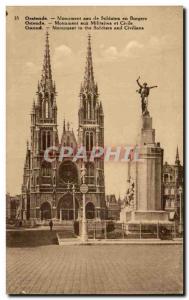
[68,172]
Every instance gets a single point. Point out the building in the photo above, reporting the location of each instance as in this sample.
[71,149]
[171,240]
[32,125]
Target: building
[51,189]
[173,188]
[114,207]
[13,204]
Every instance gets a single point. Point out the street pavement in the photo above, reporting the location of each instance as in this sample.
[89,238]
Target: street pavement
[95,269]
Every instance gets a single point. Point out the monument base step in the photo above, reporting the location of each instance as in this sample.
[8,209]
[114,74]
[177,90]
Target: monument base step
[150,217]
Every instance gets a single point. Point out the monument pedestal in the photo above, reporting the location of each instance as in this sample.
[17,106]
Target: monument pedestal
[147,217]
[146,175]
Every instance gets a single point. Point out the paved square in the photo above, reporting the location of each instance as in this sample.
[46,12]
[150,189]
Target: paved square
[111,269]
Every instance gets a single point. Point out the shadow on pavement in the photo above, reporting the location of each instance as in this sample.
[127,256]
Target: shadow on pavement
[31,238]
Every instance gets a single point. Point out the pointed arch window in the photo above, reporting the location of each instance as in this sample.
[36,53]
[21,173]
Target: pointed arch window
[91,140]
[45,169]
[90,109]
[68,140]
[52,98]
[46,109]
[48,139]
[87,142]
[90,173]
[85,108]
[44,140]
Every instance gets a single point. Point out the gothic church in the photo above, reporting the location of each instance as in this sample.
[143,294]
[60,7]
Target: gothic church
[51,190]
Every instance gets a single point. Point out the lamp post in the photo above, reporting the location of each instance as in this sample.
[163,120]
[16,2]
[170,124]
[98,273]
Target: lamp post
[84,190]
[180,210]
[68,210]
[73,189]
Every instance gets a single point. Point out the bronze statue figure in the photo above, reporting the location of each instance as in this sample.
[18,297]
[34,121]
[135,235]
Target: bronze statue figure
[144,91]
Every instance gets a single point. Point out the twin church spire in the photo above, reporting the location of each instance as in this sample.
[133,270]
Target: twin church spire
[89,83]
[46,82]
[91,111]
[46,108]
[90,107]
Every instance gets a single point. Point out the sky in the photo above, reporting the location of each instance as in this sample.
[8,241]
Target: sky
[119,57]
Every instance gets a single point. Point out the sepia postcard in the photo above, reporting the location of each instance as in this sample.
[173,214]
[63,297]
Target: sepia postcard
[94,159]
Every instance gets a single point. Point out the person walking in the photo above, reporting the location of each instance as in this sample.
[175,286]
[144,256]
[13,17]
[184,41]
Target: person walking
[51,225]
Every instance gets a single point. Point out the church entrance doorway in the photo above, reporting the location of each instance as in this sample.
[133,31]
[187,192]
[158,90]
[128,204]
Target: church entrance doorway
[45,211]
[67,208]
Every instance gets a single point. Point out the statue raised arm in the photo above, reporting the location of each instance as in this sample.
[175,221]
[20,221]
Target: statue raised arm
[144,91]
[152,87]
[138,82]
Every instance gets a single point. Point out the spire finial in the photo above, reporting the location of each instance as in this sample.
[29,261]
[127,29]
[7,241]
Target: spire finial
[101,108]
[27,145]
[64,125]
[47,32]
[46,78]
[177,160]
[89,83]
[33,107]
[68,126]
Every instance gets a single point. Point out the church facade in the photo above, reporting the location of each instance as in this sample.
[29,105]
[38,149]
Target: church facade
[50,190]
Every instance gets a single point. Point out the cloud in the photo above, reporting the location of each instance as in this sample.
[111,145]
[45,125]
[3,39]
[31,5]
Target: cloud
[61,52]
[166,43]
[131,49]
[31,68]
[111,53]
[30,64]
[155,46]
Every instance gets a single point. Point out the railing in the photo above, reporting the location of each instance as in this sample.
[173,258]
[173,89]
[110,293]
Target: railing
[115,230]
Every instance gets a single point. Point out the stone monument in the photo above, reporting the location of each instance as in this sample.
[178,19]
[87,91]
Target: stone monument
[145,173]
